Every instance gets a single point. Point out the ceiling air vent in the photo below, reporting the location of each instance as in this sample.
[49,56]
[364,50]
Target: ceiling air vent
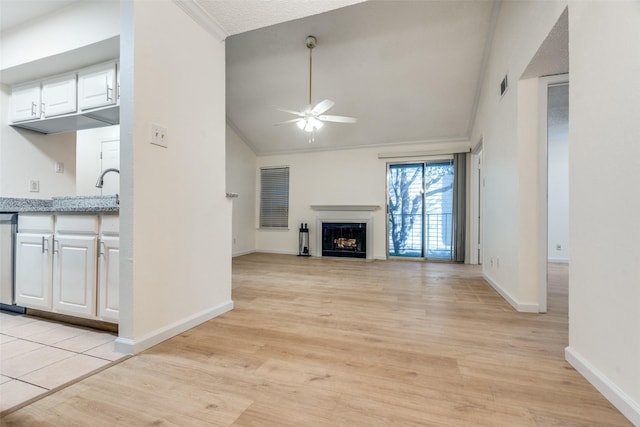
[503,85]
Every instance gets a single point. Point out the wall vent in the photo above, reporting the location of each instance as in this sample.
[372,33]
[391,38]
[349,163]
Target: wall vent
[504,84]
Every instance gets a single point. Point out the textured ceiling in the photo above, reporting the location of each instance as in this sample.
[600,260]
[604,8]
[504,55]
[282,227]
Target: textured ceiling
[408,70]
[553,55]
[237,16]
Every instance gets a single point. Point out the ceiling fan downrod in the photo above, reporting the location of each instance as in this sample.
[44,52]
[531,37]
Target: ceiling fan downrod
[310,42]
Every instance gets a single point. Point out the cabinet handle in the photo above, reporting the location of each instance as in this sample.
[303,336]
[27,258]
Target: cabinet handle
[109,93]
[55,247]
[45,240]
[33,109]
[42,108]
[101,247]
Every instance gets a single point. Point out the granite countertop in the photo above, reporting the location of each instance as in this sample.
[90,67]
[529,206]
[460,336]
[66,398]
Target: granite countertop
[79,204]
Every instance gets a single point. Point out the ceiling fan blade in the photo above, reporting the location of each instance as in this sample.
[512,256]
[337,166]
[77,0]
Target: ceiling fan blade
[287,121]
[322,106]
[338,119]
[286,110]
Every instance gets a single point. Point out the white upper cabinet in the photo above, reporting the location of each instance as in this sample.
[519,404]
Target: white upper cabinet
[59,95]
[97,86]
[25,102]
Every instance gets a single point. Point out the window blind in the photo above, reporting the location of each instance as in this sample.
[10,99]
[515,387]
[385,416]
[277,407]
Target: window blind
[274,197]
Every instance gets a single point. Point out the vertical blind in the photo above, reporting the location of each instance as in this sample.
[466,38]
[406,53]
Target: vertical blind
[274,197]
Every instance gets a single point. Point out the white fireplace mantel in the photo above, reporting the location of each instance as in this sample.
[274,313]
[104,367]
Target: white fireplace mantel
[345,207]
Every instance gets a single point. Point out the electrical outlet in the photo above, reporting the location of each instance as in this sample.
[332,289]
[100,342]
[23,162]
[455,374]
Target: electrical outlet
[234,240]
[159,135]
[34,186]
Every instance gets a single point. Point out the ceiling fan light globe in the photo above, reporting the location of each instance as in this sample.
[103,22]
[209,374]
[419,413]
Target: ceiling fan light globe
[302,124]
[317,124]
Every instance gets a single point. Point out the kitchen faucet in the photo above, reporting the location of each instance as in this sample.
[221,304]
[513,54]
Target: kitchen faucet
[100,182]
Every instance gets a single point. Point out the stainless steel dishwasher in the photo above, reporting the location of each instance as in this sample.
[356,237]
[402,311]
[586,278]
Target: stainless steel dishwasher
[8,230]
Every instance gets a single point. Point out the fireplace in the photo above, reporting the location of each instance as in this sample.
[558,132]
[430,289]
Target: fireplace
[344,239]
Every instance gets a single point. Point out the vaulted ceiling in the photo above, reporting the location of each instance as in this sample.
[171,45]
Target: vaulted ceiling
[408,70]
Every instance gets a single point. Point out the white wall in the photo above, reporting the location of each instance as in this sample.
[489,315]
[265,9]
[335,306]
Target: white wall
[88,165]
[347,177]
[27,155]
[80,24]
[241,166]
[558,175]
[25,53]
[176,269]
[604,131]
[509,130]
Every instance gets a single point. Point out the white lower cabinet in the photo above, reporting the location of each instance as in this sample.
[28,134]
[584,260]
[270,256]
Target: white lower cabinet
[108,278]
[74,275]
[67,269]
[33,270]
[34,261]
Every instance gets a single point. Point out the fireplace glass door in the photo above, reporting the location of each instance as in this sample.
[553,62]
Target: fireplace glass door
[420,209]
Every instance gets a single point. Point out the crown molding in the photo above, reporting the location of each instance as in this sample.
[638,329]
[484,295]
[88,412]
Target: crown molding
[202,18]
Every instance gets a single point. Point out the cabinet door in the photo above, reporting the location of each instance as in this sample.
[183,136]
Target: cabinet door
[33,270]
[25,102]
[108,282]
[97,86]
[74,275]
[59,95]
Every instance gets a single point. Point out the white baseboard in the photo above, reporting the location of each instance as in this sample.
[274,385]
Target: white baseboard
[133,346]
[520,307]
[269,251]
[558,260]
[235,254]
[604,385]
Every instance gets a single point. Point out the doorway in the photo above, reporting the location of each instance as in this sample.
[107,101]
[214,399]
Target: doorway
[110,158]
[422,209]
[554,200]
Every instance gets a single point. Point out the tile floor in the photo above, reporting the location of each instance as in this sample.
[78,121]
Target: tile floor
[37,355]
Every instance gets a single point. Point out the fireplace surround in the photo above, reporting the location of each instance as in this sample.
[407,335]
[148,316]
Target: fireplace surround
[346,214]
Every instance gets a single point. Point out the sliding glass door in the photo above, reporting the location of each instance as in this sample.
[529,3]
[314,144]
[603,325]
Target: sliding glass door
[421,209]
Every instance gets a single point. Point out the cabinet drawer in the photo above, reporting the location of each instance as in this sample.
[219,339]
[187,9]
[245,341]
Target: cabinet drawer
[110,224]
[84,224]
[30,223]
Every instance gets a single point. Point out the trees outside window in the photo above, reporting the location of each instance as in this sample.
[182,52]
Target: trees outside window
[412,187]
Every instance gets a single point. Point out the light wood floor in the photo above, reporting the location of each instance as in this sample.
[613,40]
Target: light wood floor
[334,342]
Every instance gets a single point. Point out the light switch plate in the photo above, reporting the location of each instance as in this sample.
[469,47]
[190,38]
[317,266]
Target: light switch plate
[159,135]
[59,167]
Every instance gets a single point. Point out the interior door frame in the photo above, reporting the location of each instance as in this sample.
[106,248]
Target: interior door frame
[475,206]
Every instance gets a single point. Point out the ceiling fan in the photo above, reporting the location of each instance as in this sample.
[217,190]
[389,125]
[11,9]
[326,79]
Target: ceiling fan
[311,118]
